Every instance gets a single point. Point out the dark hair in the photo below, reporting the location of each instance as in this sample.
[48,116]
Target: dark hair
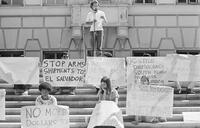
[106,80]
[94,1]
[46,86]
[146,78]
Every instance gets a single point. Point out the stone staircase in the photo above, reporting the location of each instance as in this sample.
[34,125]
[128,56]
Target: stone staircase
[82,104]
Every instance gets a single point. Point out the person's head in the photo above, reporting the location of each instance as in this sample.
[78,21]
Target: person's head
[94,5]
[106,84]
[144,80]
[65,55]
[45,88]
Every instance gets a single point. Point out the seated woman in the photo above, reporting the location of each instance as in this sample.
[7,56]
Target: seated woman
[144,80]
[106,92]
[45,98]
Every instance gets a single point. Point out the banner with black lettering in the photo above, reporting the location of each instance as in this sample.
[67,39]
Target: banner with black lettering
[2,104]
[155,68]
[45,116]
[149,100]
[114,68]
[64,72]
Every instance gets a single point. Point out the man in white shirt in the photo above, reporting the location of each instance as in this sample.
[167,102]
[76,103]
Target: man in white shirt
[96,18]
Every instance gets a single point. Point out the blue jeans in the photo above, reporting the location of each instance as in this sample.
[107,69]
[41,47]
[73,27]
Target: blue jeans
[97,43]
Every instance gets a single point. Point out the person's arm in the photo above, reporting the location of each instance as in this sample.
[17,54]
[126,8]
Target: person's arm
[54,100]
[103,17]
[116,96]
[37,101]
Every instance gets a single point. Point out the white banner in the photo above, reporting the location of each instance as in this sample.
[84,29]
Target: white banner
[192,117]
[114,68]
[155,68]
[19,70]
[45,116]
[64,72]
[106,113]
[2,104]
[149,100]
[184,67]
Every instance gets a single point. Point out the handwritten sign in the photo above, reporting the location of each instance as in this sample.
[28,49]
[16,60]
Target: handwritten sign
[64,72]
[106,113]
[149,100]
[114,68]
[19,70]
[45,116]
[2,104]
[152,67]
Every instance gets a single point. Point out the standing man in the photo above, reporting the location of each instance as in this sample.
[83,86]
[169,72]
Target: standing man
[96,18]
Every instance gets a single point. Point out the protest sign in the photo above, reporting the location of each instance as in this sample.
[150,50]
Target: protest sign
[2,104]
[155,68]
[106,113]
[191,117]
[149,100]
[185,67]
[19,70]
[64,72]
[45,116]
[114,68]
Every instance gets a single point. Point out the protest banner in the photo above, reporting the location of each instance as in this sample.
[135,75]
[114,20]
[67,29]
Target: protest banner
[149,100]
[191,117]
[155,68]
[45,116]
[114,68]
[184,67]
[2,104]
[106,113]
[19,70]
[64,72]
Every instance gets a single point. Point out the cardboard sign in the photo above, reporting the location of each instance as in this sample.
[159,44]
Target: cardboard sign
[45,116]
[114,68]
[19,70]
[155,68]
[64,72]
[2,104]
[193,117]
[149,100]
[106,113]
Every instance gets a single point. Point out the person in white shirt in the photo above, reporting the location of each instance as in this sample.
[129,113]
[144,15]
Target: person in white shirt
[96,18]
[45,98]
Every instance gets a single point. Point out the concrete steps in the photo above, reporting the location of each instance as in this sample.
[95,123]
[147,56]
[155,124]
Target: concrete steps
[126,124]
[82,104]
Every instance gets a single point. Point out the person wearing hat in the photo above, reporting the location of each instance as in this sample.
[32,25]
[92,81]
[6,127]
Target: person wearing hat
[45,99]
[96,18]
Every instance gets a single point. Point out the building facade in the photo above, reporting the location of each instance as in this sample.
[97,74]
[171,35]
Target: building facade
[47,28]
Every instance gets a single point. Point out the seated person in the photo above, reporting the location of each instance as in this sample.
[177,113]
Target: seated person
[45,98]
[21,89]
[106,92]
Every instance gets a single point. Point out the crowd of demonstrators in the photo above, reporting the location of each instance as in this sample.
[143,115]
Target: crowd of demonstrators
[144,80]
[106,92]
[64,90]
[45,99]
